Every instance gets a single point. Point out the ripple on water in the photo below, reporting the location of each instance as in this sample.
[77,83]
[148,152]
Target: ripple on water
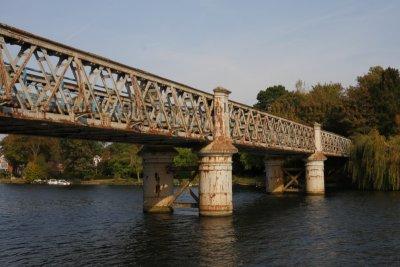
[105,225]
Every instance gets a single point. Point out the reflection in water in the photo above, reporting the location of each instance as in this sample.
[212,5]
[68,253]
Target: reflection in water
[42,225]
[217,239]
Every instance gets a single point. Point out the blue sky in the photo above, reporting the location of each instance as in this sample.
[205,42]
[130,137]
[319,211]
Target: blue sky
[244,46]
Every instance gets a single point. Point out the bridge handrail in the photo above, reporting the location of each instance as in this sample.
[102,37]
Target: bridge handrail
[18,34]
[267,114]
[252,127]
[334,144]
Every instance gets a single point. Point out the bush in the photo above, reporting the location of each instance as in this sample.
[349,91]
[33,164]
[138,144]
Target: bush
[4,174]
[36,169]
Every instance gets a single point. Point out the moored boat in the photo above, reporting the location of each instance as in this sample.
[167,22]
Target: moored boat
[58,182]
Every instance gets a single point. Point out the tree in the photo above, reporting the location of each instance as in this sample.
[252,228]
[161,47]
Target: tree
[36,169]
[185,162]
[78,157]
[12,146]
[20,149]
[250,161]
[375,162]
[266,97]
[321,103]
[372,104]
[288,106]
[358,113]
[135,161]
[300,86]
[122,160]
[386,97]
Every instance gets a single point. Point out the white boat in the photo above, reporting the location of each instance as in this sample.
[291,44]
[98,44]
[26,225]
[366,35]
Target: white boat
[58,182]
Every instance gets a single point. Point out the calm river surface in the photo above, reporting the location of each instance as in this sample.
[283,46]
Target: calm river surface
[104,225]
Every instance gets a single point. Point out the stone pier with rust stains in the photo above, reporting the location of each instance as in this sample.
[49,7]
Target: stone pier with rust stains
[215,188]
[158,187]
[315,183]
[274,177]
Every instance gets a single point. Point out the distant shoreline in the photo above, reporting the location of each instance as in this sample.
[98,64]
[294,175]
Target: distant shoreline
[241,181]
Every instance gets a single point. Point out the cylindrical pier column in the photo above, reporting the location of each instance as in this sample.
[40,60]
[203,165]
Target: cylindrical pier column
[315,183]
[274,183]
[215,185]
[215,190]
[158,187]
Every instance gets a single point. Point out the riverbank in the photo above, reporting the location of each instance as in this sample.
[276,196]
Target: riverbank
[83,182]
[13,181]
[109,182]
[236,180]
[248,181]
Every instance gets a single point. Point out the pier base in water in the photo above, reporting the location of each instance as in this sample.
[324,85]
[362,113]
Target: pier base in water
[274,183]
[158,187]
[215,188]
[315,183]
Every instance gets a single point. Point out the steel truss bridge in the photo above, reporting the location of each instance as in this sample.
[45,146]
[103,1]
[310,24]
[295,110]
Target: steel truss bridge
[50,89]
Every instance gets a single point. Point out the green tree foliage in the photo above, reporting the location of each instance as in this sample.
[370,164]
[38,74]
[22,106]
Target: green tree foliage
[43,157]
[288,106]
[266,97]
[20,149]
[185,162]
[36,169]
[12,147]
[386,95]
[250,161]
[4,174]
[358,113]
[122,160]
[323,102]
[248,164]
[374,102]
[375,162]
[77,157]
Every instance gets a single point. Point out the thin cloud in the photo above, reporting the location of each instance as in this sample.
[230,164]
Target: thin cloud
[80,30]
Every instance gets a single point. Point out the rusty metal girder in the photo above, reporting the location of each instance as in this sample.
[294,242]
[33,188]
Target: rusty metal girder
[251,127]
[47,81]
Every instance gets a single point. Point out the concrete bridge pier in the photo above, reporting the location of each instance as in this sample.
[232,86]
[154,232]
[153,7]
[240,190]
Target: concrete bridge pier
[215,189]
[315,183]
[158,187]
[274,183]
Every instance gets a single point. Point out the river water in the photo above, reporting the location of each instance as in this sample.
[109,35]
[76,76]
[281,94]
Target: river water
[104,225]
